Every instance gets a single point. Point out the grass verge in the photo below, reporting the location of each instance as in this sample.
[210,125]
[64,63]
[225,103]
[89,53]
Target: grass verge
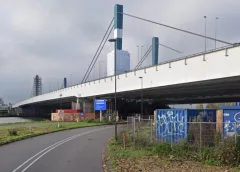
[162,157]
[19,133]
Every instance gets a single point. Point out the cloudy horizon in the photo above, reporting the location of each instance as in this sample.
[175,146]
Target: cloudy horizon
[58,38]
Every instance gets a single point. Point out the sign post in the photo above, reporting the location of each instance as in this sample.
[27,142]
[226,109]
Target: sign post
[100,115]
[100,104]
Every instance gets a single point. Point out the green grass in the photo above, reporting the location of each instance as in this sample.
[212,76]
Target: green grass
[209,156]
[116,151]
[24,132]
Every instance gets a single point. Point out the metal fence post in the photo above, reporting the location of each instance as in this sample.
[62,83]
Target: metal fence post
[171,134]
[134,129]
[151,125]
[200,136]
[235,132]
[127,124]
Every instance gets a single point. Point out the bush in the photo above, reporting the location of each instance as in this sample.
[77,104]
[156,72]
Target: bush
[12,132]
[207,153]
[120,138]
[96,120]
[228,151]
[162,149]
[88,120]
[142,139]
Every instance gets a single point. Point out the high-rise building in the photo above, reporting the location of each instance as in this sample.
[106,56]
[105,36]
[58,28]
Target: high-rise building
[37,86]
[122,65]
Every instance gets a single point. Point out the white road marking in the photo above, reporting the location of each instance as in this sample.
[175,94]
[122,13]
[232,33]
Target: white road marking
[51,147]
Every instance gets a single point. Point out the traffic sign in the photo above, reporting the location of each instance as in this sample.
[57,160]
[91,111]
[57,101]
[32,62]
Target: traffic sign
[81,114]
[100,104]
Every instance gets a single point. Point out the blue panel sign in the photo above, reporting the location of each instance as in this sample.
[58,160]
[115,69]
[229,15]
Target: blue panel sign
[231,119]
[171,125]
[100,104]
[81,114]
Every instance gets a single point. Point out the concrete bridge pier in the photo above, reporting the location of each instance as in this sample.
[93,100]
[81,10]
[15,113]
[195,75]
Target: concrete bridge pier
[84,104]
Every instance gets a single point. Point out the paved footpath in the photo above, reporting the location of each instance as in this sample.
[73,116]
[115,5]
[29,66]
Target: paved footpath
[66,151]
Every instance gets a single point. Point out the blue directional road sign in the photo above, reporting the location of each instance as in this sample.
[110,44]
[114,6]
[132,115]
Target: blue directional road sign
[100,104]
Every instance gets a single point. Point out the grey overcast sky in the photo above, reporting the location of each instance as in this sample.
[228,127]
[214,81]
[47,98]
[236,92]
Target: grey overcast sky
[58,38]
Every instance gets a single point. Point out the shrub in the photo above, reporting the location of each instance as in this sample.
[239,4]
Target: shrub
[162,149]
[120,138]
[142,139]
[207,153]
[228,152]
[12,132]
[96,120]
[217,138]
[88,120]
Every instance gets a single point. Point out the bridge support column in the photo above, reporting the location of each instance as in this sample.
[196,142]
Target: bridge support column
[76,105]
[86,105]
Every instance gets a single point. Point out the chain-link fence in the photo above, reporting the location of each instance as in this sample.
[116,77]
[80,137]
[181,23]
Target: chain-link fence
[196,134]
[141,129]
[199,133]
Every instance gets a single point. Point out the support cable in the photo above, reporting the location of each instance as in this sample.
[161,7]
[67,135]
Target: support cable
[98,54]
[170,48]
[144,57]
[192,33]
[84,78]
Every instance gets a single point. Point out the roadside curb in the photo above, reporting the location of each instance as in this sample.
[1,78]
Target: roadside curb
[105,159]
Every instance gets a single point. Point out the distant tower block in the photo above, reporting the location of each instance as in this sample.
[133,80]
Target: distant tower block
[155,42]
[123,62]
[118,25]
[37,86]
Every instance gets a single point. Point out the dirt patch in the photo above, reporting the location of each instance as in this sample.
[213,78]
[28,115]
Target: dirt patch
[156,164]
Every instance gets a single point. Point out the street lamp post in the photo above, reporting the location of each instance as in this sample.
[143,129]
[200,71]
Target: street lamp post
[141,51]
[138,52]
[216,32]
[141,95]
[60,114]
[60,102]
[205,21]
[115,93]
